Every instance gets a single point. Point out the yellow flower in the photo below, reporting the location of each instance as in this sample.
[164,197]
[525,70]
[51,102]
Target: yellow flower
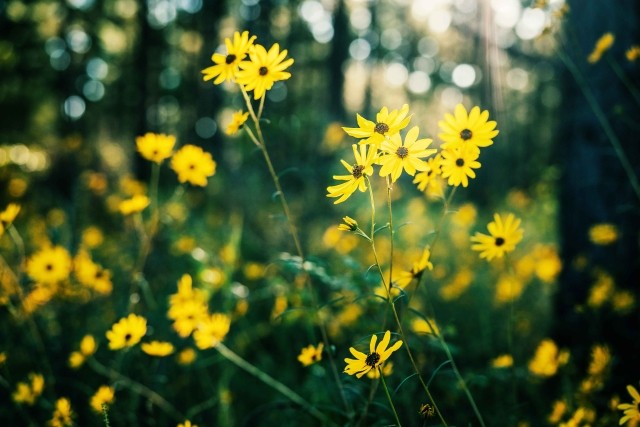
[387,124]
[133,205]
[157,348]
[155,147]
[356,180]
[237,121]
[88,345]
[600,358]
[509,288]
[348,224]
[458,164]
[547,359]
[631,410]
[502,361]
[603,44]
[187,307]
[50,265]
[212,330]
[187,423]
[8,215]
[424,263]
[424,326]
[398,155]
[504,236]
[127,332]
[28,392]
[430,180]
[193,165]
[226,66]
[559,409]
[263,69]
[92,237]
[105,395]
[62,414]
[633,53]
[91,274]
[473,129]
[601,290]
[187,356]
[76,359]
[310,354]
[363,363]
[603,234]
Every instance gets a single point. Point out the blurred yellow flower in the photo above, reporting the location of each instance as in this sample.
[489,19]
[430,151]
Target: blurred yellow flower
[211,330]
[76,359]
[603,44]
[503,237]
[279,306]
[473,129]
[155,147]
[187,423]
[237,121]
[603,234]
[356,179]
[502,361]
[134,205]
[509,288]
[88,345]
[310,354]
[62,414]
[127,332]
[187,307]
[633,53]
[424,326]
[263,69]
[105,395]
[623,301]
[601,290]
[157,348]
[187,356]
[557,412]
[458,165]
[49,265]
[600,359]
[8,215]
[458,285]
[91,274]
[430,180]
[548,264]
[419,267]
[193,165]
[376,357]
[28,392]
[408,155]
[92,237]
[547,359]
[387,124]
[226,66]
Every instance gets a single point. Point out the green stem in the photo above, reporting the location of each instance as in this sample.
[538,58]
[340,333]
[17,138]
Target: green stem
[386,390]
[604,122]
[623,78]
[389,188]
[136,387]
[231,356]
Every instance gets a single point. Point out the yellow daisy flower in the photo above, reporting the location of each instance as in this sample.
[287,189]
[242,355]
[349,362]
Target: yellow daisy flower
[462,128]
[88,345]
[631,410]
[226,66]
[603,234]
[127,332]
[603,44]
[416,271]
[505,234]
[134,205]
[212,330]
[49,266]
[263,69]
[633,53]
[388,123]
[310,354]
[105,395]
[187,423]
[458,164]
[357,172]
[193,165]
[157,348]
[430,180]
[155,147]
[237,121]
[28,392]
[348,224]
[363,363]
[398,155]
[92,275]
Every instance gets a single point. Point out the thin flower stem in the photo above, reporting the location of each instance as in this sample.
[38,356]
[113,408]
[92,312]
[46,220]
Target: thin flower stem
[136,387]
[395,313]
[258,139]
[386,390]
[231,356]
[623,78]
[602,119]
[389,188]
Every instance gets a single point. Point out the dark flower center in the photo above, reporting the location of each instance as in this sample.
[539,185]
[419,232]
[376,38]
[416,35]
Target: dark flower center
[357,171]
[48,267]
[127,337]
[402,152]
[466,134]
[499,241]
[263,71]
[381,128]
[372,359]
[459,162]
[230,58]
[192,166]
